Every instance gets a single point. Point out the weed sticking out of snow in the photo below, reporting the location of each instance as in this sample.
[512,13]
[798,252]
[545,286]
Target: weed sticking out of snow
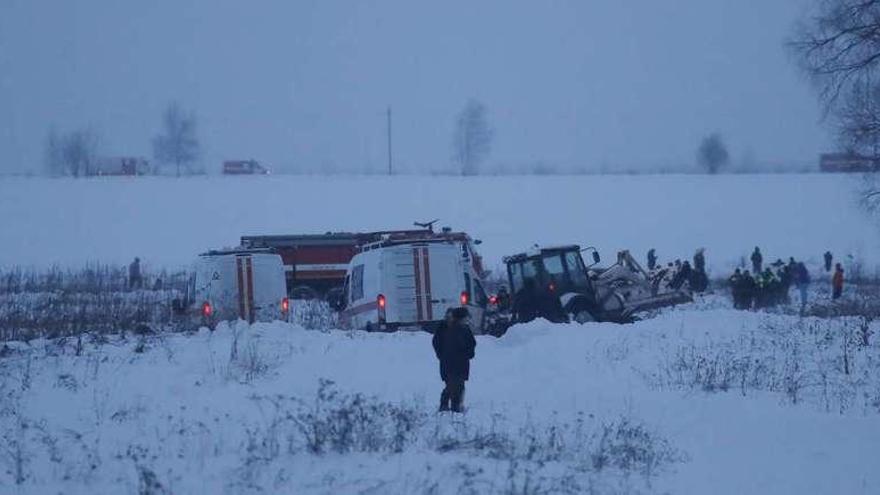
[829,363]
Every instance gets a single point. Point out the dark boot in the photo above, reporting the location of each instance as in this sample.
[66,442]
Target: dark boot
[445,398]
[457,396]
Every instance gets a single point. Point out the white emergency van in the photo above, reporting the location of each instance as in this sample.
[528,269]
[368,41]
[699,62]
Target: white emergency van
[409,285]
[240,284]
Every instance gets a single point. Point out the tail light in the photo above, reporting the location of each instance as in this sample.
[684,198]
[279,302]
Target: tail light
[465,297]
[552,287]
[207,310]
[380,302]
[493,299]
[285,305]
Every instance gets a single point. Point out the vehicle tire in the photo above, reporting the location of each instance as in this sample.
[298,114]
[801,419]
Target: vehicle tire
[369,327]
[582,316]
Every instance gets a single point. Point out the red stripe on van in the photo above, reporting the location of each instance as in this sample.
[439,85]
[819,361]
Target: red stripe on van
[250,286]
[428,296]
[418,282]
[241,286]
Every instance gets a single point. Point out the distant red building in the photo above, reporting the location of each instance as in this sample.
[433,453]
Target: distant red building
[846,162]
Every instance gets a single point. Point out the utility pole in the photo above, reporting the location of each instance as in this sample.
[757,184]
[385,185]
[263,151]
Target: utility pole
[390,168]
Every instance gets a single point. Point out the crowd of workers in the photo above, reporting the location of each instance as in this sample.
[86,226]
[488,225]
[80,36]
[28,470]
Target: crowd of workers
[770,285]
[675,274]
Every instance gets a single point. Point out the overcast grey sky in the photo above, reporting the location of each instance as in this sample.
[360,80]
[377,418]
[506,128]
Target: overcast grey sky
[589,83]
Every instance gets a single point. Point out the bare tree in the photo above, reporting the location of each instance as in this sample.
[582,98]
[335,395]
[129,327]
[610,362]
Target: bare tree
[472,140]
[838,48]
[712,154]
[178,143]
[858,120]
[839,45]
[53,154]
[74,153]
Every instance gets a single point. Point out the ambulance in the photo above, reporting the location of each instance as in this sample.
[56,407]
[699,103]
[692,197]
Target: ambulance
[393,285]
[244,284]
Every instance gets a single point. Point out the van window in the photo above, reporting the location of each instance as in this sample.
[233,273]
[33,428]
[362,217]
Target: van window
[357,283]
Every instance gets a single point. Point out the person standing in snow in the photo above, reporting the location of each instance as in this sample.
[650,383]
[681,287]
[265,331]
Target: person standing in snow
[828,259]
[837,282]
[736,286]
[684,275]
[757,261]
[135,280]
[652,259]
[748,290]
[802,280]
[454,345]
[503,299]
[700,260]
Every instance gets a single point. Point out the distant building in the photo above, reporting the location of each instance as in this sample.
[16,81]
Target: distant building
[244,167]
[119,165]
[846,162]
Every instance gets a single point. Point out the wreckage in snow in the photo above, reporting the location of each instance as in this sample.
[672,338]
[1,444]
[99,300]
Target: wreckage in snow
[556,284]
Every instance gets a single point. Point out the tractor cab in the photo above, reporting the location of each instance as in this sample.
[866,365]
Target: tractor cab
[556,284]
[554,269]
[553,283]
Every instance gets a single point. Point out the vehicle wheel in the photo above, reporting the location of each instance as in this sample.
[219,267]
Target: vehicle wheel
[369,327]
[582,316]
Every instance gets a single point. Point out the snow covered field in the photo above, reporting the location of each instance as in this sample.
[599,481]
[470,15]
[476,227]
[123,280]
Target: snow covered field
[700,399]
[167,221]
[694,401]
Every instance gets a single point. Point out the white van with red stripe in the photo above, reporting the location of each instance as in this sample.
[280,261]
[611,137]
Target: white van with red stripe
[243,284]
[390,285]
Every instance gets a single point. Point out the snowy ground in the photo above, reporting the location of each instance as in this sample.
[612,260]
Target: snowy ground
[699,399]
[167,221]
[693,401]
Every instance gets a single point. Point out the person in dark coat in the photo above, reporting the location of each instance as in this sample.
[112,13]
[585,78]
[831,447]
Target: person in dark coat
[748,290]
[802,280]
[652,259]
[784,275]
[828,260]
[135,279]
[757,261]
[736,288]
[454,345]
[503,299]
[684,275]
[700,260]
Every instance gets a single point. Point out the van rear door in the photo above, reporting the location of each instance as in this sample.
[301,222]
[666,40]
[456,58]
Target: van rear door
[444,283]
[244,275]
[404,281]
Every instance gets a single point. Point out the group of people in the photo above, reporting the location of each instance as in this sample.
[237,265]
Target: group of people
[675,274]
[766,286]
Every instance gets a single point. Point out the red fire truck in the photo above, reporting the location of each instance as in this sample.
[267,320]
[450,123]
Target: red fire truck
[315,264]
